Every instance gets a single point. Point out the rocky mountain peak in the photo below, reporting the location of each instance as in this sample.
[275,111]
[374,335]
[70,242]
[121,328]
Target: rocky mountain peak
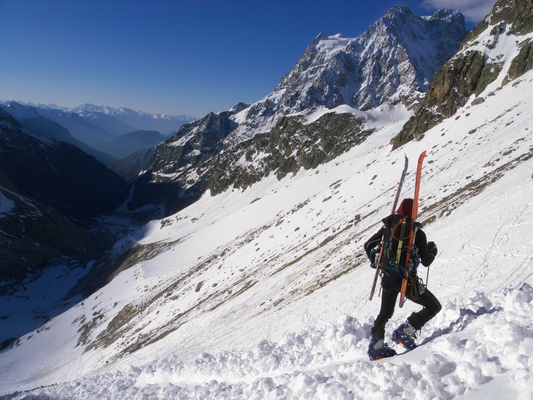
[397,54]
[487,60]
[448,15]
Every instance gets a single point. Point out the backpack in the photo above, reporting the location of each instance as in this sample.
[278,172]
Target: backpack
[397,230]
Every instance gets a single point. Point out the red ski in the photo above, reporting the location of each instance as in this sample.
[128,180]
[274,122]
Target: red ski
[412,230]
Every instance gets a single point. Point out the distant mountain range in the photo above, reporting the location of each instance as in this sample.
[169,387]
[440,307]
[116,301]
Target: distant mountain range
[98,130]
[53,181]
[131,120]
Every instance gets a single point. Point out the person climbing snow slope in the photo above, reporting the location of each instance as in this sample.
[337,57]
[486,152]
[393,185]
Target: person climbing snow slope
[392,267]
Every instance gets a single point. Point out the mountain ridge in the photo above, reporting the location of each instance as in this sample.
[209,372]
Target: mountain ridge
[135,120]
[91,127]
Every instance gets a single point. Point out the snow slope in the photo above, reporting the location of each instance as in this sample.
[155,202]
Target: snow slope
[263,293]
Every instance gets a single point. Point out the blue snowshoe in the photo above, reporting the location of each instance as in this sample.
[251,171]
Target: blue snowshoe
[405,336]
[378,349]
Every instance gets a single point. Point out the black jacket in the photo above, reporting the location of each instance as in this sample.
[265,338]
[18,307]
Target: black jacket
[420,242]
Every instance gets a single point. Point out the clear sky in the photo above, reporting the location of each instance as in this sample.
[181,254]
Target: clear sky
[173,56]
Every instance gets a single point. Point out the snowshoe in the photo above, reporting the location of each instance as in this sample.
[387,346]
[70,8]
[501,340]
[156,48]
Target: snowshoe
[405,335]
[378,349]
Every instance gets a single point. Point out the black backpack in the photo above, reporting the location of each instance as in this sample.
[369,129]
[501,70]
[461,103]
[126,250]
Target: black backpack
[397,230]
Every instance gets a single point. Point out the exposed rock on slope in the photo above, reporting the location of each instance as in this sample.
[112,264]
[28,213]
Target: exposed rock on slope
[33,235]
[289,146]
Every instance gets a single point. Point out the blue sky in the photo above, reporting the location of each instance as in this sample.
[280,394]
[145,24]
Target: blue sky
[173,56]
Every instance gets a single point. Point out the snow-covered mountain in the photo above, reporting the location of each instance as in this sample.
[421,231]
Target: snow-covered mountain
[391,62]
[387,67]
[476,70]
[262,292]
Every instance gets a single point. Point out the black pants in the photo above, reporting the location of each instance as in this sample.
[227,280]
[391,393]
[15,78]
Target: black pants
[391,289]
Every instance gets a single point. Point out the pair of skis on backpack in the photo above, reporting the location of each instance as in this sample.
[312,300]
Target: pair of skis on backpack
[412,231]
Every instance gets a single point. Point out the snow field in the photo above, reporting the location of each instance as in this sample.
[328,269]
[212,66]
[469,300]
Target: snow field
[473,342]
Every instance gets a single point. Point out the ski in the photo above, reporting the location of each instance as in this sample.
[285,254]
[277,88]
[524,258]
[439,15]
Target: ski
[394,204]
[412,230]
